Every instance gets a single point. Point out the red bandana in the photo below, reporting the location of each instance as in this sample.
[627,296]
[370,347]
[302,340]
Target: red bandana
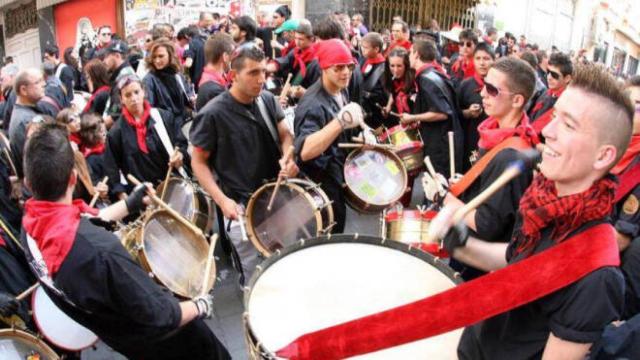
[540,207]
[53,226]
[333,52]
[140,126]
[370,62]
[434,64]
[491,134]
[74,137]
[88,151]
[632,151]
[467,66]
[93,97]
[303,57]
[401,99]
[209,74]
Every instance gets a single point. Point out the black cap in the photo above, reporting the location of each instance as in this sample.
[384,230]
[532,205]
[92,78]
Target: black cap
[117,46]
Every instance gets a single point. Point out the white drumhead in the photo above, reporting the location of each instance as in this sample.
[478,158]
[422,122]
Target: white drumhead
[57,327]
[325,285]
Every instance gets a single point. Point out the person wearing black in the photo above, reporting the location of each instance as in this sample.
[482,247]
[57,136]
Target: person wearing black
[61,70]
[274,44]
[118,66]
[463,67]
[93,136]
[97,77]
[164,85]
[239,136]
[54,99]
[70,58]
[558,78]
[323,119]
[104,39]
[194,54]
[372,66]
[140,141]
[126,309]
[435,107]
[214,81]
[243,30]
[399,83]
[470,102]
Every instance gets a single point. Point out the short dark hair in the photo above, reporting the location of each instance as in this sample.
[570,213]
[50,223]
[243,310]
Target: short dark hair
[405,26]
[328,28]
[48,162]
[485,48]
[248,25]
[530,58]
[245,52]
[426,49]
[521,78]
[52,50]
[374,39]
[217,45]
[468,34]
[492,30]
[509,35]
[562,62]
[185,34]
[90,129]
[48,69]
[541,55]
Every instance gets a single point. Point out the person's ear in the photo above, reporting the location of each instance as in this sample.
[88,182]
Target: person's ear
[606,157]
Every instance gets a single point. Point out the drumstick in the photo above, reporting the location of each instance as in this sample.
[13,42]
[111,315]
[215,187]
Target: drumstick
[207,269]
[285,89]
[166,207]
[286,157]
[273,49]
[390,112]
[97,194]
[359,145]
[452,163]
[433,173]
[166,178]
[27,292]
[13,167]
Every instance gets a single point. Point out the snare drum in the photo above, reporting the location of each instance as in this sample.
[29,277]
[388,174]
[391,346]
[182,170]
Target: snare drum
[300,210]
[411,227]
[19,345]
[408,145]
[374,179]
[171,252]
[327,281]
[189,201]
[57,327]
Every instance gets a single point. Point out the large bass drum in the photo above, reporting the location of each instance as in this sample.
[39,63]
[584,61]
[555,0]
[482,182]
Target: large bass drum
[190,201]
[19,345]
[300,210]
[170,251]
[325,281]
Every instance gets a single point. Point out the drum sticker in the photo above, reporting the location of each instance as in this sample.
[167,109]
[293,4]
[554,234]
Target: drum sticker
[362,162]
[392,167]
[368,190]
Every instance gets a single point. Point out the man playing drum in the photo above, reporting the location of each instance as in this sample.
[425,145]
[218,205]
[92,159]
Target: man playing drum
[91,277]
[239,136]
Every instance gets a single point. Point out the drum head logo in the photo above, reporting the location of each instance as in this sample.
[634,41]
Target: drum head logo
[630,206]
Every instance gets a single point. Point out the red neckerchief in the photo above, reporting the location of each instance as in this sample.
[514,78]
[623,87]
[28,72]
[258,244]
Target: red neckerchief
[53,226]
[74,137]
[553,93]
[479,80]
[88,151]
[379,59]
[491,134]
[467,66]
[404,44]
[101,89]
[140,126]
[632,151]
[209,74]
[303,57]
[290,46]
[434,64]
[401,97]
[3,243]
[541,207]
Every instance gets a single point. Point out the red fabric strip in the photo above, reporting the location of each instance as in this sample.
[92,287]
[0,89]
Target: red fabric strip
[491,134]
[492,294]
[632,151]
[627,181]
[372,61]
[87,107]
[140,126]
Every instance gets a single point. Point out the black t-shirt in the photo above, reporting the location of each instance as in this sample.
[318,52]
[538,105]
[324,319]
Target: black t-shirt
[206,92]
[243,151]
[576,313]
[468,94]
[196,53]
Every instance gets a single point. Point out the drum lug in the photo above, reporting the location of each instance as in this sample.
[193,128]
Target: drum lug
[301,241]
[355,236]
[151,275]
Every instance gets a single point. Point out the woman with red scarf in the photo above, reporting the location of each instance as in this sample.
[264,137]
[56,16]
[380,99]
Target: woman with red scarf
[97,77]
[399,84]
[135,143]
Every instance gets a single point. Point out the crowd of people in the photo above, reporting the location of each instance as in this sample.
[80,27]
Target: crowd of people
[210,102]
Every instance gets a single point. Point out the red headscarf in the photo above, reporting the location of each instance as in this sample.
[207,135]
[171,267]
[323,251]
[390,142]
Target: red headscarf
[491,134]
[140,126]
[53,226]
[333,52]
[632,151]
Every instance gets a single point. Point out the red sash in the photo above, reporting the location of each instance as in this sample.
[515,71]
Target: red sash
[628,180]
[495,293]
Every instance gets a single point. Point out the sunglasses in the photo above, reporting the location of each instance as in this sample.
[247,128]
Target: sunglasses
[493,91]
[554,74]
[342,67]
[467,44]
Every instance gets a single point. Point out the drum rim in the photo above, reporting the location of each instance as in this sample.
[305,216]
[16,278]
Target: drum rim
[144,260]
[25,335]
[325,197]
[199,200]
[333,239]
[251,231]
[367,205]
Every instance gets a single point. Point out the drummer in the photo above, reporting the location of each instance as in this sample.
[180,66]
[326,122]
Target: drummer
[507,88]
[233,139]
[399,85]
[134,144]
[126,309]
[324,117]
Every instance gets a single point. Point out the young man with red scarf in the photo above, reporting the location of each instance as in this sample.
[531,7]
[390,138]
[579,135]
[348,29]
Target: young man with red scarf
[217,52]
[372,68]
[400,33]
[560,70]
[463,67]
[507,87]
[90,276]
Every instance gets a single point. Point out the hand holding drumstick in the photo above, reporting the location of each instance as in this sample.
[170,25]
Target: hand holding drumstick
[287,166]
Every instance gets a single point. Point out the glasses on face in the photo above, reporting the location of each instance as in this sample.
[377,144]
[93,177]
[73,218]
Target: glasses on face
[493,91]
[343,67]
[467,44]
[554,74]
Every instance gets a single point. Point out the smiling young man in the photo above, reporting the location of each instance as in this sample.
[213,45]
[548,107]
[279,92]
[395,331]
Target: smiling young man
[559,73]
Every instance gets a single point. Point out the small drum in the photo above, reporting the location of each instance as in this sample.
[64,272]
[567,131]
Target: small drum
[189,201]
[300,210]
[410,227]
[175,255]
[57,327]
[19,345]
[326,281]
[374,179]
[408,145]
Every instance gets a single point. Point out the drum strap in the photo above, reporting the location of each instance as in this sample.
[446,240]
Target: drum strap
[495,293]
[161,130]
[628,180]
[514,142]
[267,120]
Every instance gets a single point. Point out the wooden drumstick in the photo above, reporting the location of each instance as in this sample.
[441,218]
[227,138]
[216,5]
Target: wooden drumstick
[286,158]
[8,156]
[166,207]
[452,162]
[97,194]
[27,292]
[433,172]
[207,269]
[284,94]
[360,145]
[168,176]
[390,112]
[273,49]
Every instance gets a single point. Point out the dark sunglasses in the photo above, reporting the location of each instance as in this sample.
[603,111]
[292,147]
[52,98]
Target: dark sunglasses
[467,44]
[494,91]
[554,74]
[341,67]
